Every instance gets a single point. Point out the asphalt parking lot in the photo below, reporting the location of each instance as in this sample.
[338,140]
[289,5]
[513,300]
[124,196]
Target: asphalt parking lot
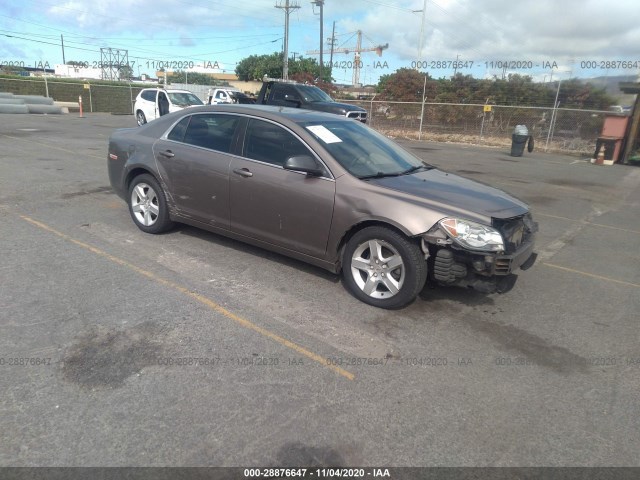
[187,349]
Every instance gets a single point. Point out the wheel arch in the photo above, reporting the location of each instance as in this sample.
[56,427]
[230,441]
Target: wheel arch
[361,226]
[136,171]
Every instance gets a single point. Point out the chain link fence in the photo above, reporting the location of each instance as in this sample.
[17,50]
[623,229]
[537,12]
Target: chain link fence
[560,129]
[116,99]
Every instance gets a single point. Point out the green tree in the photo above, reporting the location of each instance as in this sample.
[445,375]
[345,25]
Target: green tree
[405,85]
[309,66]
[577,94]
[255,67]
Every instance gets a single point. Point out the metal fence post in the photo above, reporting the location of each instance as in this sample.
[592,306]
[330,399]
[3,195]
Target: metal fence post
[131,97]
[424,98]
[553,117]
[371,110]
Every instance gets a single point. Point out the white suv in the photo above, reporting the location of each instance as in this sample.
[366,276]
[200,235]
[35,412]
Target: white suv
[152,103]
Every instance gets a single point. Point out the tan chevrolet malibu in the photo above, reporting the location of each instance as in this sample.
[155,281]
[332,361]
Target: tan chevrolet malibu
[326,190]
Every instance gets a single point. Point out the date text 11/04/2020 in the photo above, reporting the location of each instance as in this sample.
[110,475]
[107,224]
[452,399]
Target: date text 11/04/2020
[451,64]
[316,472]
[152,64]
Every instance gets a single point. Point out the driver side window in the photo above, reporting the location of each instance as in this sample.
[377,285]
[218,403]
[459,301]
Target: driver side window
[270,143]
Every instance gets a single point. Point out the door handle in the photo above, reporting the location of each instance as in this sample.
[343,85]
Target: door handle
[168,154]
[243,172]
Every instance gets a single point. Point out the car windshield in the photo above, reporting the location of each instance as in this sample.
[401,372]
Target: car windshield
[184,99]
[362,151]
[313,94]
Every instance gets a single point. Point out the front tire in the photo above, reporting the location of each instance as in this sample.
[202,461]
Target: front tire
[140,118]
[148,205]
[383,268]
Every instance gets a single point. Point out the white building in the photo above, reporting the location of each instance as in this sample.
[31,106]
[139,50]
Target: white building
[73,71]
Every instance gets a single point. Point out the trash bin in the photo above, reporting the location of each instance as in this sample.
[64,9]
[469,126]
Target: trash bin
[519,140]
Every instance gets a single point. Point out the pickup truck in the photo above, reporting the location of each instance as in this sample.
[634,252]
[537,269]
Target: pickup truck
[299,95]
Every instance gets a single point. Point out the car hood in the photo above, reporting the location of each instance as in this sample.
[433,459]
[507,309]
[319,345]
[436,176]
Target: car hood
[444,191]
[334,106]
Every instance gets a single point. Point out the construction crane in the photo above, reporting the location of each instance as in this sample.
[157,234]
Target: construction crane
[357,50]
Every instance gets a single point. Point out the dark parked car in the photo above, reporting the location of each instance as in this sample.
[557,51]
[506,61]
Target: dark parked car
[325,190]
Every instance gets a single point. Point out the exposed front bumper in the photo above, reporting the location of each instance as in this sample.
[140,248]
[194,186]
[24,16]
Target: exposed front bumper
[485,272]
[506,264]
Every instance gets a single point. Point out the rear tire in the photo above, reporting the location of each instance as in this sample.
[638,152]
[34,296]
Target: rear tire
[140,118]
[383,268]
[148,205]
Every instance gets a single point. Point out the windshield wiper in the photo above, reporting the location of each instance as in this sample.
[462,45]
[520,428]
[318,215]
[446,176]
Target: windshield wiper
[416,168]
[380,175]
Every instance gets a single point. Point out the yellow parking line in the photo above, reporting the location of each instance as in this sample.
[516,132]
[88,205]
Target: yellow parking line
[587,223]
[196,296]
[48,145]
[592,275]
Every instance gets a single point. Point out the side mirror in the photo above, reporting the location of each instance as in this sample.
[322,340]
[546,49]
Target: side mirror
[305,164]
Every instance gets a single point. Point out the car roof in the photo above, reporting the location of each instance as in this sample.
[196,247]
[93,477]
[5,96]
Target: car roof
[295,115]
[172,90]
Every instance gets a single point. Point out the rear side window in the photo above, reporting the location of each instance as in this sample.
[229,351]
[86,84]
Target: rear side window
[149,95]
[177,134]
[212,131]
[270,143]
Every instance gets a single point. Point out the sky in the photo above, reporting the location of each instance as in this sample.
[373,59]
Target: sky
[546,39]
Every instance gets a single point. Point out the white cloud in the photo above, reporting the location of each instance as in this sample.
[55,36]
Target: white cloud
[567,33]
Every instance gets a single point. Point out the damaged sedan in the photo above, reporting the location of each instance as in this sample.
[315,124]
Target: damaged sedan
[325,190]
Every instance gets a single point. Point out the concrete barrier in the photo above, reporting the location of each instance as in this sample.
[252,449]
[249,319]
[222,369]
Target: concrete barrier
[8,108]
[70,106]
[11,101]
[52,109]
[35,99]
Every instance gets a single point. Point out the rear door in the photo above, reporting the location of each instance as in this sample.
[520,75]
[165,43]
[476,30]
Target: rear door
[153,106]
[148,104]
[278,206]
[193,161]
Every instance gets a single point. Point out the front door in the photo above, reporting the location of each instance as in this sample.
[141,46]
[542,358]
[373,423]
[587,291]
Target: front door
[278,206]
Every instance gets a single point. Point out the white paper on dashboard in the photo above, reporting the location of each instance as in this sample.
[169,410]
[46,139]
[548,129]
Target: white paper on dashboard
[324,134]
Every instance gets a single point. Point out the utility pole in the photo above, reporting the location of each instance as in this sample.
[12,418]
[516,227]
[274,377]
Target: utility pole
[333,44]
[287,10]
[421,40]
[62,44]
[320,3]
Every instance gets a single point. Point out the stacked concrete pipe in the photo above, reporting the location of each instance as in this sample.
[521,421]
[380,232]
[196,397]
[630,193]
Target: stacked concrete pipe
[10,103]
